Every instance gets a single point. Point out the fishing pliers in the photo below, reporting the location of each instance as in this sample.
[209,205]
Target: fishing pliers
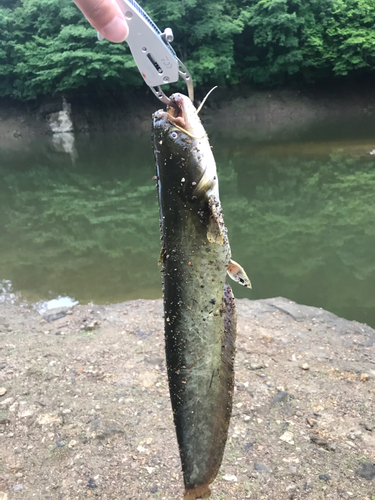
[152,51]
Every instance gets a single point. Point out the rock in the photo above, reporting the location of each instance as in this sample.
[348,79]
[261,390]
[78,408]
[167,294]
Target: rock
[60,121]
[367,425]
[263,469]
[331,446]
[72,443]
[2,391]
[104,429]
[27,412]
[256,366]
[155,360]
[54,316]
[311,421]
[92,326]
[315,438]
[49,107]
[147,379]
[3,495]
[7,402]
[91,483]
[364,377]
[279,398]
[142,449]
[324,443]
[324,477]
[351,444]
[248,447]
[318,409]
[49,418]
[230,478]
[287,437]
[367,471]
[305,366]
[300,312]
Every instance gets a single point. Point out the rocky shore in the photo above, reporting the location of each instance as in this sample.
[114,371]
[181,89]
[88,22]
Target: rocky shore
[85,412]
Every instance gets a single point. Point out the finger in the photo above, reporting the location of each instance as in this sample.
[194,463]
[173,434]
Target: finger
[106,17]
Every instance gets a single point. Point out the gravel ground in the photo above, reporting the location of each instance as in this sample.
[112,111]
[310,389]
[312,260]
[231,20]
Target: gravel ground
[85,412]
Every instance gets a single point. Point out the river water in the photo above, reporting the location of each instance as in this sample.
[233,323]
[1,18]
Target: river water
[83,225]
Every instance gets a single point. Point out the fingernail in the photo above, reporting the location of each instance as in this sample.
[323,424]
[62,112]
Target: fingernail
[116,30]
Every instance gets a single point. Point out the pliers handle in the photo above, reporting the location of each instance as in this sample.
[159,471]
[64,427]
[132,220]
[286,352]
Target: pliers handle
[152,51]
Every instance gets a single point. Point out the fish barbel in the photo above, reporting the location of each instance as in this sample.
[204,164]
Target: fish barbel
[199,309]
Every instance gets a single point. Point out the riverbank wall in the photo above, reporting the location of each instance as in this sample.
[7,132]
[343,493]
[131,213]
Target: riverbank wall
[246,112]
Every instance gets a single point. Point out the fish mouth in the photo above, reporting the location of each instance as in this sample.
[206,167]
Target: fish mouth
[177,112]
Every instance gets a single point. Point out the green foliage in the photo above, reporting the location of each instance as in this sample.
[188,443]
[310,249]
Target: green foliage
[51,48]
[308,38]
[204,33]
[275,36]
[344,41]
[78,61]
[47,46]
[5,52]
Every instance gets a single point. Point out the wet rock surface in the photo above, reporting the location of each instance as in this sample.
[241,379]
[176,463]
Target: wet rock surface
[86,410]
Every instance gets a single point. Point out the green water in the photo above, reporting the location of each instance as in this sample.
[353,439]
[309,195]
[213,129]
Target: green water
[300,211]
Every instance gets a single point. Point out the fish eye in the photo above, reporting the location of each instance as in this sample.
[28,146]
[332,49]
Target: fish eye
[173,135]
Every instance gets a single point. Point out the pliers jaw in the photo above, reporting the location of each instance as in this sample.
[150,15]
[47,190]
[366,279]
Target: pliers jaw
[185,75]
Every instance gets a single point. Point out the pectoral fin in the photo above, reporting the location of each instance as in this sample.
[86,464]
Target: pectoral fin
[237,273]
[214,230]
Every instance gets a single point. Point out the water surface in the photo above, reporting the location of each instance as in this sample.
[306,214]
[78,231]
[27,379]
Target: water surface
[300,214]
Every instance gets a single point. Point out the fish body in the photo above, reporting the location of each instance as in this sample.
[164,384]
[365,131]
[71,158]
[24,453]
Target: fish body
[199,309]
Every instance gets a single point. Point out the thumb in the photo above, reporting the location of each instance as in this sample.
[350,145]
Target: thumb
[106,17]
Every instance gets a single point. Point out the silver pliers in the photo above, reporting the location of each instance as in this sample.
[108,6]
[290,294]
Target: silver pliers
[152,51]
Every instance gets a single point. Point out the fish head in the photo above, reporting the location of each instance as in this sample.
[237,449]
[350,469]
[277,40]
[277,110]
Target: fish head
[183,154]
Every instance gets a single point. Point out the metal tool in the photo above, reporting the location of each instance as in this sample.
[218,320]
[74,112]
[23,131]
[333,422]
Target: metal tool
[152,51]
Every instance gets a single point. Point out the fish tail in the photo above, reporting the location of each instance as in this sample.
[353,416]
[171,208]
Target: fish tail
[224,403]
[202,491]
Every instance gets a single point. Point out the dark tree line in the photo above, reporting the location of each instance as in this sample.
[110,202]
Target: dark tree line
[46,46]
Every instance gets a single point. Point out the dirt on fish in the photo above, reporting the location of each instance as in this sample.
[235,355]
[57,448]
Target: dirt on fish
[85,410]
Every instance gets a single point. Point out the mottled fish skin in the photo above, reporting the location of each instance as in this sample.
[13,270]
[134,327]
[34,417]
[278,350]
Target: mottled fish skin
[200,316]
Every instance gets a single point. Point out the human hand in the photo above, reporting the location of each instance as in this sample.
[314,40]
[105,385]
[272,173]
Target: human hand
[106,17]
